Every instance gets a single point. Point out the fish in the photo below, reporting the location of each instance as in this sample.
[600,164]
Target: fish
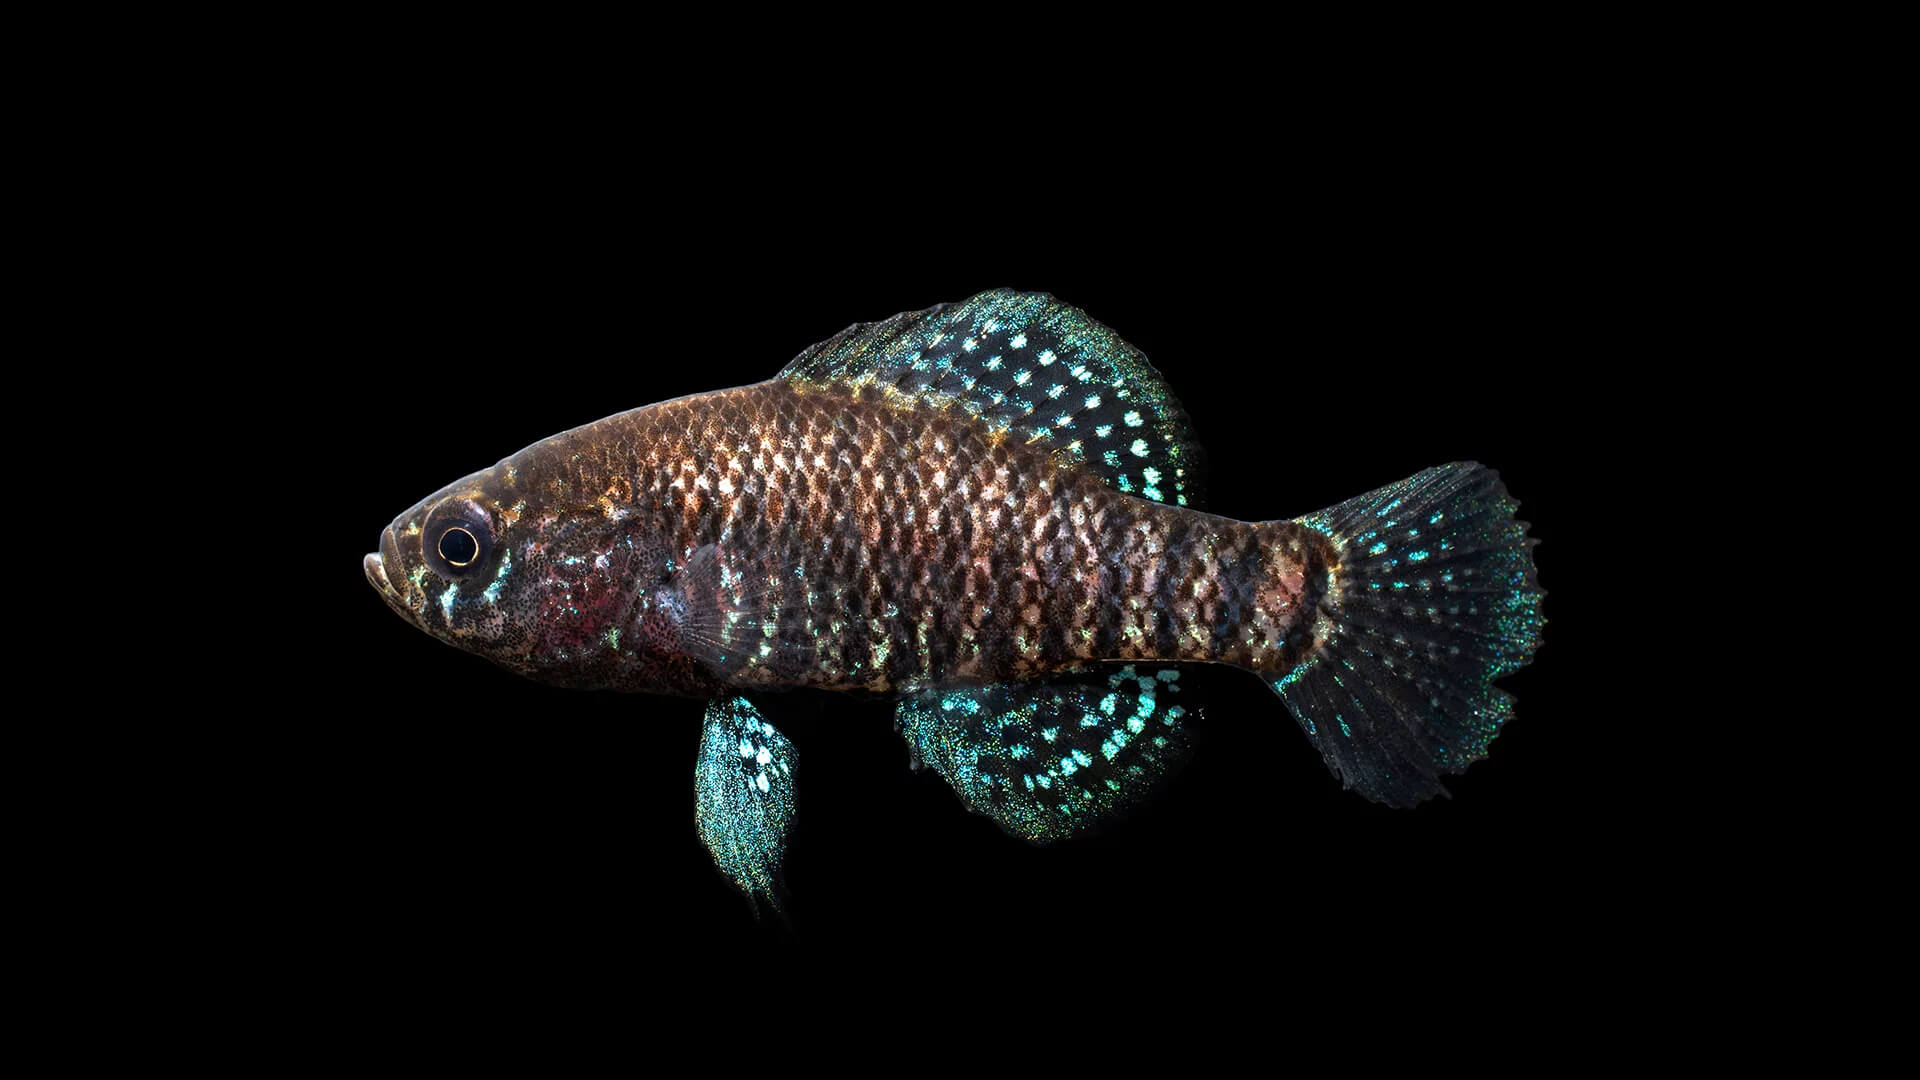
[991,513]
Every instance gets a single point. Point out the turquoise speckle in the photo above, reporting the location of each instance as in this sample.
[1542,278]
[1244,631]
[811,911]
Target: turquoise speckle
[1048,759]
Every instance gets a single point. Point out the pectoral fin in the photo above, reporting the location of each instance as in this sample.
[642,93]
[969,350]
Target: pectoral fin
[743,791]
[1053,759]
[728,619]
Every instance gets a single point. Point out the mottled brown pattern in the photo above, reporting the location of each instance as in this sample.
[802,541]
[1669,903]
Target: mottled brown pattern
[784,534]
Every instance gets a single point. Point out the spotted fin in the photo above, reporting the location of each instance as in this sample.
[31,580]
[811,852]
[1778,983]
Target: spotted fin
[743,793]
[1034,368]
[1434,596]
[1051,759]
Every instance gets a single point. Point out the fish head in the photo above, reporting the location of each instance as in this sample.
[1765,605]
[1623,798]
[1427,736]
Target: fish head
[531,565]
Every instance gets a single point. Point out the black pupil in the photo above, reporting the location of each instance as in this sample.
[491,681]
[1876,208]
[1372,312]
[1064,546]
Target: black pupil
[458,546]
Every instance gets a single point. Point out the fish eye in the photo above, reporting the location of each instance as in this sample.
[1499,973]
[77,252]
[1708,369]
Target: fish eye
[457,539]
[458,547]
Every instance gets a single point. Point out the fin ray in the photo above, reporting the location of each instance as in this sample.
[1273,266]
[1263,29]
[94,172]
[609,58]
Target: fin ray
[743,796]
[723,615]
[1435,596]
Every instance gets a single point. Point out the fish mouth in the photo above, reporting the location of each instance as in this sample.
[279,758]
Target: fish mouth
[375,565]
[376,569]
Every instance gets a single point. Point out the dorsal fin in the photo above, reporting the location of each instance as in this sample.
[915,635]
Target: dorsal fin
[1035,369]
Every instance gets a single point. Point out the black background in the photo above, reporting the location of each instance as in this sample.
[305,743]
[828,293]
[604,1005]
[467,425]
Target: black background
[432,817]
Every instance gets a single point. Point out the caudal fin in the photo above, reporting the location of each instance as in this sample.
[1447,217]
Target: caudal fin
[1433,597]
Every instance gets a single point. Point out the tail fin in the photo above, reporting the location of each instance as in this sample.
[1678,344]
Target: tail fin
[1433,598]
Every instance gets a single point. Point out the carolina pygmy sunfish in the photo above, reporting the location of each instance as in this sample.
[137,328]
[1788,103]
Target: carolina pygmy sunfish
[991,511]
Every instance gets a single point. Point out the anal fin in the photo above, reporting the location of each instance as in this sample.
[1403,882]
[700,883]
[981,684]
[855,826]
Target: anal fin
[1052,759]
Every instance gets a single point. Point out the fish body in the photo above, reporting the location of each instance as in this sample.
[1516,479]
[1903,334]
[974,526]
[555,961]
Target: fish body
[777,535]
[989,510]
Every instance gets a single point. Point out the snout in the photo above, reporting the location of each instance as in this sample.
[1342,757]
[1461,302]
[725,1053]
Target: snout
[375,564]
[376,569]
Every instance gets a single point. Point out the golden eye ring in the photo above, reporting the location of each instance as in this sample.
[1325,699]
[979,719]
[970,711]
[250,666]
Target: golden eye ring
[472,553]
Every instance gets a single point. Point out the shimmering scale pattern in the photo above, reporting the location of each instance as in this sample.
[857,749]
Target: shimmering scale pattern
[1052,759]
[884,516]
[1435,597]
[843,538]
[743,793]
[840,529]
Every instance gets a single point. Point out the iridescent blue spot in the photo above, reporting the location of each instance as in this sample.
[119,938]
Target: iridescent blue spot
[492,593]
